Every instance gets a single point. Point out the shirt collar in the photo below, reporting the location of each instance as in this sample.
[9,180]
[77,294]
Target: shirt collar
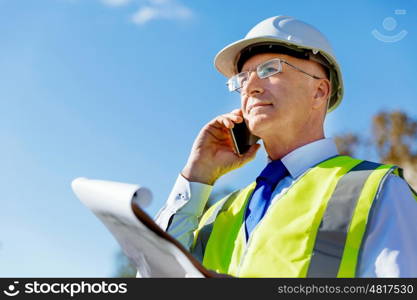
[304,157]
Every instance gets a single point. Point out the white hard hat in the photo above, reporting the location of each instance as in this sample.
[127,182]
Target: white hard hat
[290,33]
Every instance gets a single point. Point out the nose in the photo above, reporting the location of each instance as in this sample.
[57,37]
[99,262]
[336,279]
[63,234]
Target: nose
[253,85]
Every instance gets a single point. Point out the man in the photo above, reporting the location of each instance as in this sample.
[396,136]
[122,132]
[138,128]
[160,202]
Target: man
[311,212]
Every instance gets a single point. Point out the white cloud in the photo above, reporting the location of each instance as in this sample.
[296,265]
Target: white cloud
[154,10]
[115,2]
[161,9]
[145,14]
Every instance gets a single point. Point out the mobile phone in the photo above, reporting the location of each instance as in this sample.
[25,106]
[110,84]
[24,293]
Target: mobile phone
[242,138]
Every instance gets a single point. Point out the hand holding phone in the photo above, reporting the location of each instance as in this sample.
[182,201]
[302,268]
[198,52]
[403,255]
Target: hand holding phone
[211,154]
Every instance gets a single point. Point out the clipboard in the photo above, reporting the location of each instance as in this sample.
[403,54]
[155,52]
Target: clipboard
[153,251]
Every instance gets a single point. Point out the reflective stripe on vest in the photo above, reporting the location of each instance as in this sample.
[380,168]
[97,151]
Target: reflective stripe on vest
[334,228]
[283,243]
[206,225]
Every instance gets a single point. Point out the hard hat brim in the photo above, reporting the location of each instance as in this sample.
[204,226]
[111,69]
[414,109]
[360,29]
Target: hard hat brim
[226,59]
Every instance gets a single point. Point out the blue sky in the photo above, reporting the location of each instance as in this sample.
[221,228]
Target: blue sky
[118,90]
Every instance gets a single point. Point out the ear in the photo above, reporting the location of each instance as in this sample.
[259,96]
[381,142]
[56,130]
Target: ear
[322,93]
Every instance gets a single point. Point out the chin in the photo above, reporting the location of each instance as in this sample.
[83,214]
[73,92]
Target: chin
[259,123]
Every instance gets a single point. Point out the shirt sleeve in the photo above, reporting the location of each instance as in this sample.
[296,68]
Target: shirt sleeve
[390,243]
[185,205]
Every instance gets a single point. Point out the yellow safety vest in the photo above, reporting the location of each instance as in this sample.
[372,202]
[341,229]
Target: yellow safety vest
[314,230]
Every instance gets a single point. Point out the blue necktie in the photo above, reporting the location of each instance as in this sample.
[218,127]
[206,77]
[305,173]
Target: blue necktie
[261,196]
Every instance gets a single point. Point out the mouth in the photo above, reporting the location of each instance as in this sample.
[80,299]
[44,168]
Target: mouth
[258,105]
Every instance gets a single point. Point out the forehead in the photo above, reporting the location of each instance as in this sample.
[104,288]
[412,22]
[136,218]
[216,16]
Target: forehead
[257,59]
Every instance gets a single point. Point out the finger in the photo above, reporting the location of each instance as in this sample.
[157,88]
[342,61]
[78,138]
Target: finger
[229,121]
[251,153]
[234,118]
[218,122]
[237,111]
[217,125]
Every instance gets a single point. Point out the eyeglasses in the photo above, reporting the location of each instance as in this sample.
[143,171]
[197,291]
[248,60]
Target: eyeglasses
[264,70]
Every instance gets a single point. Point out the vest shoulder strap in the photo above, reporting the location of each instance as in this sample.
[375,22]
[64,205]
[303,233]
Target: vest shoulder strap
[205,227]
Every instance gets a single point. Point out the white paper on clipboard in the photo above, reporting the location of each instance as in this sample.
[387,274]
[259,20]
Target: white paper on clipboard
[154,252]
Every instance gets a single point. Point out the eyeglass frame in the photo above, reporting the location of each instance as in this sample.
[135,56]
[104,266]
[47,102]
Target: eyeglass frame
[280,60]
